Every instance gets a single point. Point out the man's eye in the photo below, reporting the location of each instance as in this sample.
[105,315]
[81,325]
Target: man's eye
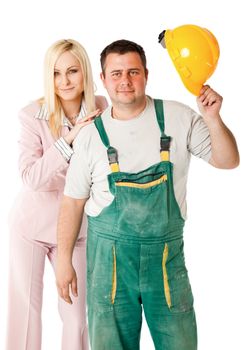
[116,74]
[133,72]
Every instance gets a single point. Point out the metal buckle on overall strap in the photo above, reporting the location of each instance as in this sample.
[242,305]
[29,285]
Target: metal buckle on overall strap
[113,159]
[164,148]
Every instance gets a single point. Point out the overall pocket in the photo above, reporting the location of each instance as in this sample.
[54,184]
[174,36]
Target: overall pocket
[143,207]
[140,184]
[114,276]
[177,288]
[102,278]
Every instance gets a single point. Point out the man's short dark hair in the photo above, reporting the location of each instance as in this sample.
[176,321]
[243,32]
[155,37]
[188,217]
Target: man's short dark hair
[121,47]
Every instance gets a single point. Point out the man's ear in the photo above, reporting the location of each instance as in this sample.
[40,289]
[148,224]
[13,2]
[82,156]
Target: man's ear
[146,73]
[102,76]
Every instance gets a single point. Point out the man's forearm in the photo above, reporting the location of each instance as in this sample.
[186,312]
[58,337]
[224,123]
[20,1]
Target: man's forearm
[225,153]
[224,148]
[69,223]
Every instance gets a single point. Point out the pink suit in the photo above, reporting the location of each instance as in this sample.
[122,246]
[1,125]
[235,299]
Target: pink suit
[33,223]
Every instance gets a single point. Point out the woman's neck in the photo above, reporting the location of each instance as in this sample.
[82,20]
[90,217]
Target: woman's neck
[71,108]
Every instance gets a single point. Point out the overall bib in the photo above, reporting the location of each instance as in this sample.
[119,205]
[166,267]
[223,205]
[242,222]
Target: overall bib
[135,258]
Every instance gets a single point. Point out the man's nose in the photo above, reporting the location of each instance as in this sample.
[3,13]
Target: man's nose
[125,79]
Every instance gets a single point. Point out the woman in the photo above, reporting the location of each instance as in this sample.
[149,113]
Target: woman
[48,128]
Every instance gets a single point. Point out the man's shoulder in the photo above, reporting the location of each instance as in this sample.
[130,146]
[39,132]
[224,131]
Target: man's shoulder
[106,114]
[178,110]
[171,105]
[86,136]
[176,106]
[90,131]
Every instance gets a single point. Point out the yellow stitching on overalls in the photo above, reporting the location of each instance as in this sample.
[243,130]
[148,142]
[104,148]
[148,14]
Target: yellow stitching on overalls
[114,167]
[163,178]
[114,279]
[165,276]
[164,156]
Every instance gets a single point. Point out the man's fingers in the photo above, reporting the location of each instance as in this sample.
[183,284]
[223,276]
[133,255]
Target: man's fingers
[74,287]
[66,281]
[211,98]
[208,96]
[64,293]
[204,89]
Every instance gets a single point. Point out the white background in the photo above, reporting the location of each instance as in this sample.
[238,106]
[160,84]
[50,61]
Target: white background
[214,230]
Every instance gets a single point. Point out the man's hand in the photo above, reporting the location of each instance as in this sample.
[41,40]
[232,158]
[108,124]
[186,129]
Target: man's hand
[209,104]
[69,223]
[66,280]
[223,144]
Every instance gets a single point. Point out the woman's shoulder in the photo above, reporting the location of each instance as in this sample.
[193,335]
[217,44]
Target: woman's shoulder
[30,110]
[101,102]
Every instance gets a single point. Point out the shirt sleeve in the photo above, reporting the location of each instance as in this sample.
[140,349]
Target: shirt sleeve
[64,148]
[199,143]
[78,178]
[37,167]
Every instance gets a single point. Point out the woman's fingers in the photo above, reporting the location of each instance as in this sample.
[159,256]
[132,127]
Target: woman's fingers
[89,117]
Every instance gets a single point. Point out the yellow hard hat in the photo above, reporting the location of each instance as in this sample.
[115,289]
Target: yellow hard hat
[194,51]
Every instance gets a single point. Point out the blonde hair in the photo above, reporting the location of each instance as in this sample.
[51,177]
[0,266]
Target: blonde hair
[50,99]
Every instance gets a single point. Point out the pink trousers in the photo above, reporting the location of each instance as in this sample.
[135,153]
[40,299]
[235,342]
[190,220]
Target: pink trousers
[27,262]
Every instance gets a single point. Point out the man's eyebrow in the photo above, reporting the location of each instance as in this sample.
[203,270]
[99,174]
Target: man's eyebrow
[120,70]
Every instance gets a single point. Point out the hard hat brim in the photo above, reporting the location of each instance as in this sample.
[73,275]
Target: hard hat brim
[191,86]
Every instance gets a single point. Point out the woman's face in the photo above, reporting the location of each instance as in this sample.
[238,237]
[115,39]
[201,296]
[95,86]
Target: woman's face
[68,78]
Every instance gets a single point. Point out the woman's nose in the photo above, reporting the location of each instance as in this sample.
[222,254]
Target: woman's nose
[64,80]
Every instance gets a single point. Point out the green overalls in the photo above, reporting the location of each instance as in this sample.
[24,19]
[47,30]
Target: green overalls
[135,257]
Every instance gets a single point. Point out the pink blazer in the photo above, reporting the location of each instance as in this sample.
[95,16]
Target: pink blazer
[43,169]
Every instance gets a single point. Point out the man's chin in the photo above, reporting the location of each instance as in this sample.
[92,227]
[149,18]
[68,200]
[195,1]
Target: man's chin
[127,100]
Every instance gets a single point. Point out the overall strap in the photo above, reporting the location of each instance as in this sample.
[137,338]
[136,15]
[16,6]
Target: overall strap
[111,151]
[100,128]
[164,139]
[158,104]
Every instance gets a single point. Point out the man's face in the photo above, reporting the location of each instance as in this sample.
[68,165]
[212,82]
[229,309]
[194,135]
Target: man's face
[125,78]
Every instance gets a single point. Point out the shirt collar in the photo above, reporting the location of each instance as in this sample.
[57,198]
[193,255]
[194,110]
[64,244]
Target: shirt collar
[43,114]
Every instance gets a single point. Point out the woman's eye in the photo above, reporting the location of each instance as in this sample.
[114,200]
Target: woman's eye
[72,71]
[56,74]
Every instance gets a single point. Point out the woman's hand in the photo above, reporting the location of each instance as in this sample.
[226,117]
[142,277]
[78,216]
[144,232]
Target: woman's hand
[69,138]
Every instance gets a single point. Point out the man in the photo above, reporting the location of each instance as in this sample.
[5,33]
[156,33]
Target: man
[122,173]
